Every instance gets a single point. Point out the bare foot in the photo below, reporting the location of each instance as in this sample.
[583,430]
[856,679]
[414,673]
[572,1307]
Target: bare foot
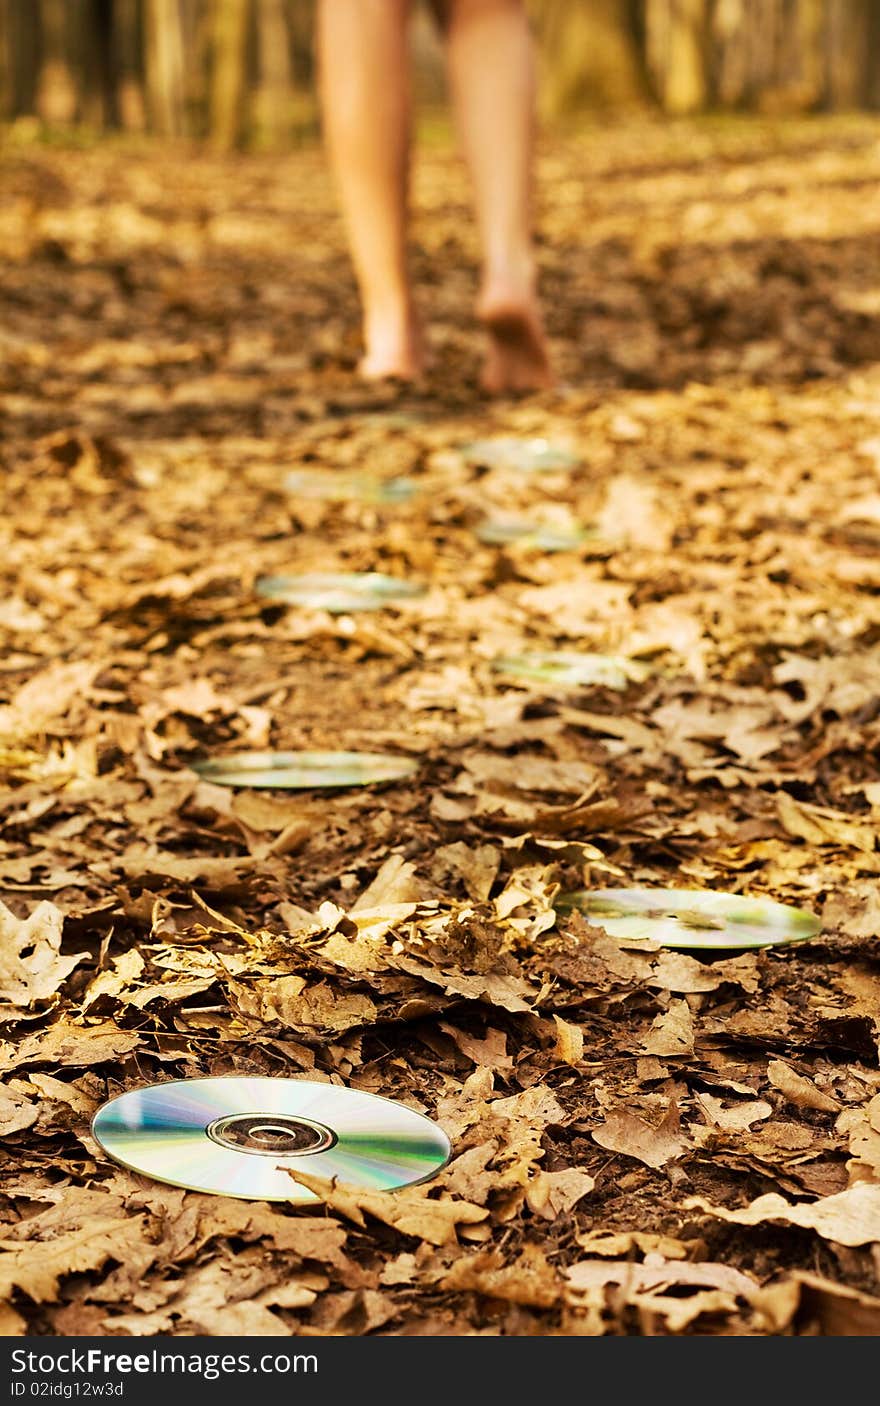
[517,358]
[394,351]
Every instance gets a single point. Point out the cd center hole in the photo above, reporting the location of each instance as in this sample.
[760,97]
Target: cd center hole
[270,1134]
[282,1139]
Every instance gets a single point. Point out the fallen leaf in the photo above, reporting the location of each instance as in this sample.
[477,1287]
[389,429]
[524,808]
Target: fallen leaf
[569,1045]
[530,1279]
[852,1217]
[672,1033]
[410,1212]
[37,1269]
[798,1090]
[16,1112]
[65,1043]
[31,965]
[551,1194]
[623,1132]
[737,1117]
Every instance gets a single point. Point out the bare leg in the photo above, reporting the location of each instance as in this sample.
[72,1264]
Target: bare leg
[365,94]
[491,73]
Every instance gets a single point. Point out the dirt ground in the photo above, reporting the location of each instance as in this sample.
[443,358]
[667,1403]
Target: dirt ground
[644,1142]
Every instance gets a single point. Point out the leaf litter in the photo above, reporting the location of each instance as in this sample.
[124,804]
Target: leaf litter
[644,1142]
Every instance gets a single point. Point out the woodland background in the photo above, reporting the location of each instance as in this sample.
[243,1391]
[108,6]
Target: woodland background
[644,1142]
[240,71]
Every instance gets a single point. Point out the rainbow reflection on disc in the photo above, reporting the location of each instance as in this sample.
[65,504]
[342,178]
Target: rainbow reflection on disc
[240,1136]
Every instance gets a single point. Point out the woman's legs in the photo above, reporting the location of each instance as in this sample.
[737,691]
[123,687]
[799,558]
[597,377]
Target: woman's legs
[365,91]
[491,71]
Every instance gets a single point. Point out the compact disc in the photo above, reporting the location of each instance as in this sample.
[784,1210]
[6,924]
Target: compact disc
[523,455]
[543,537]
[241,1137]
[339,592]
[571,670]
[305,771]
[692,918]
[331,486]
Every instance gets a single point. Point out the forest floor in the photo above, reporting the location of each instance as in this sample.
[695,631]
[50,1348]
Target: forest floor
[644,1142]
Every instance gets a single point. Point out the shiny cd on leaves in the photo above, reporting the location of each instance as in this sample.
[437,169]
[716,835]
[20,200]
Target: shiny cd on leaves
[543,537]
[243,1136]
[531,456]
[340,592]
[572,670]
[331,486]
[304,771]
[696,919]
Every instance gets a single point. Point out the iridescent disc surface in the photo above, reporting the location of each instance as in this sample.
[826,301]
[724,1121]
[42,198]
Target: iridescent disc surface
[544,537]
[303,771]
[525,455]
[339,592]
[692,918]
[572,670]
[331,486]
[241,1136]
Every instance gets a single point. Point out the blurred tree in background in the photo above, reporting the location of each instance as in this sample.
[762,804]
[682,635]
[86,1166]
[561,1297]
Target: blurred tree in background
[238,72]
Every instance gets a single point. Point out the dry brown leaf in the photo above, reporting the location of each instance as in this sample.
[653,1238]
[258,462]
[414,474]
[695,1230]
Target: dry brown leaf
[37,1268]
[623,1132]
[55,1090]
[530,1280]
[31,965]
[220,1299]
[717,1287]
[411,1212]
[862,1128]
[798,1090]
[684,975]
[672,1033]
[821,826]
[476,866]
[490,1052]
[622,1244]
[16,1112]
[46,695]
[569,1045]
[502,989]
[736,1117]
[395,884]
[127,967]
[656,1274]
[851,1217]
[839,1312]
[77,1046]
[290,1002]
[551,1194]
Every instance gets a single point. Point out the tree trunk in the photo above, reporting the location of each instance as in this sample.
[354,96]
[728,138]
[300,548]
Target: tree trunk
[271,107]
[6,61]
[163,62]
[229,35]
[873,75]
[678,42]
[848,34]
[731,67]
[589,54]
[57,97]
[93,41]
[128,63]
